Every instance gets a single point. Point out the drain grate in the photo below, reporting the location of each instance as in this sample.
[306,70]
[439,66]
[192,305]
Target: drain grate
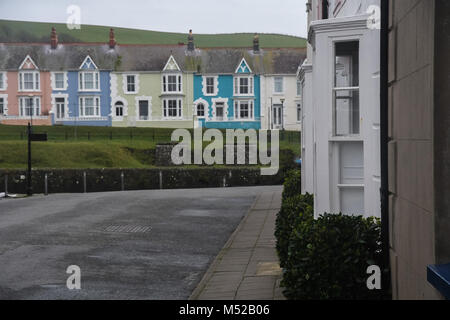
[128,229]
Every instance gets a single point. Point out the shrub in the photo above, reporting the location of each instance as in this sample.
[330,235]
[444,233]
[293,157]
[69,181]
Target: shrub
[328,257]
[292,184]
[299,207]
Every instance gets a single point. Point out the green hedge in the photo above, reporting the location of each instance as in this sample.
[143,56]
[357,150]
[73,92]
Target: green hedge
[292,184]
[296,208]
[328,258]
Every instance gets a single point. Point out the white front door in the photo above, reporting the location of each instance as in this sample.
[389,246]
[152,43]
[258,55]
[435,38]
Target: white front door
[60,108]
[277,116]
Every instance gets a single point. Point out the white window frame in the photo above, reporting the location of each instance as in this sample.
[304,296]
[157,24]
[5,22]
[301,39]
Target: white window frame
[3,81]
[205,103]
[298,108]
[22,106]
[337,89]
[225,107]
[53,80]
[82,106]
[143,98]
[82,81]
[275,92]
[178,83]
[125,83]
[215,85]
[4,97]
[113,109]
[178,106]
[299,88]
[66,104]
[36,81]
[251,109]
[237,86]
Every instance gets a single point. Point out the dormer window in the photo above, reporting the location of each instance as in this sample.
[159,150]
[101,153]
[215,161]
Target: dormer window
[29,81]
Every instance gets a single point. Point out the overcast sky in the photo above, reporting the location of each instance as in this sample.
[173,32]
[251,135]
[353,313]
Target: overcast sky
[203,16]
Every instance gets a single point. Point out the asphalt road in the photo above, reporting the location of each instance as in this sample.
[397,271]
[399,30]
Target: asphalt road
[128,245]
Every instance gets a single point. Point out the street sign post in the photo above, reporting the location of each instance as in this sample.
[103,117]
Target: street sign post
[32,137]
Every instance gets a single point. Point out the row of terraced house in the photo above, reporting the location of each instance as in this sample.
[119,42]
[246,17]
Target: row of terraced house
[169,86]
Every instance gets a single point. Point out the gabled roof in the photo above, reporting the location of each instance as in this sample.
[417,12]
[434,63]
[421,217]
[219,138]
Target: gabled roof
[151,58]
[171,65]
[88,64]
[28,64]
[243,67]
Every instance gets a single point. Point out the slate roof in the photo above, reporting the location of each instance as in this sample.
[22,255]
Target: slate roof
[151,57]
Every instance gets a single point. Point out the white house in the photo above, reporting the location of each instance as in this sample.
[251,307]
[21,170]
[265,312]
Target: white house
[340,114]
[281,102]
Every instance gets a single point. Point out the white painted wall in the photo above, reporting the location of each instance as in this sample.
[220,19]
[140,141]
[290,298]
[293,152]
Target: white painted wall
[320,145]
[269,98]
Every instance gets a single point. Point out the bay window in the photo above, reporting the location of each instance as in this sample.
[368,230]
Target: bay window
[243,109]
[29,106]
[346,111]
[172,83]
[89,106]
[29,81]
[89,81]
[172,108]
[243,86]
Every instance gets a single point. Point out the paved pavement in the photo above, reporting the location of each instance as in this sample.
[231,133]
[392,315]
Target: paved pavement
[132,245]
[247,268]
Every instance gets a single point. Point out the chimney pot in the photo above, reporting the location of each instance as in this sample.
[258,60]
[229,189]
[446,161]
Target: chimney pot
[112,39]
[256,43]
[191,45]
[54,39]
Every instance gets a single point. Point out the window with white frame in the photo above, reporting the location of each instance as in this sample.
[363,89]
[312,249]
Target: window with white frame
[29,81]
[59,81]
[243,86]
[144,109]
[29,106]
[210,86]
[172,108]
[351,177]
[2,106]
[299,112]
[89,81]
[299,89]
[131,84]
[243,109]
[2,81]
[278,85]
[89,106]
[172,83]
[119,109]
[201,110]
[346,111]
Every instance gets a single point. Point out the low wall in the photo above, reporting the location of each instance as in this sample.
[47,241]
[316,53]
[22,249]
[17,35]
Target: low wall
[101,180]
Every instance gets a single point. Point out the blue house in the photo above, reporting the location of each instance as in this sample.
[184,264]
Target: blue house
[82,97]
[228,100]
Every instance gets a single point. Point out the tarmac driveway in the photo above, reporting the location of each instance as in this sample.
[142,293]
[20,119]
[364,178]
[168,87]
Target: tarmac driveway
[128,245]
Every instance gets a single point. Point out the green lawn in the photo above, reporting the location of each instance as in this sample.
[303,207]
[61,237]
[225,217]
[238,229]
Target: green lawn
[94,147]
[21,31]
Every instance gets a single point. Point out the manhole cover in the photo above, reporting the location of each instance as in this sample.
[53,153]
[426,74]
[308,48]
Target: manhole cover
[128,229]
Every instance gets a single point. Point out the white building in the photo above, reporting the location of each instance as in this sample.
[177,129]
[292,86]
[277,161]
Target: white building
[340,114]
[281,102]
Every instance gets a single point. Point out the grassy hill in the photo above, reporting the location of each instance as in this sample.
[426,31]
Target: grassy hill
[22,31]
[94,147]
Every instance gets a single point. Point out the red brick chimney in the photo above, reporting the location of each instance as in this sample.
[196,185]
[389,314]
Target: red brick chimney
[54,39]
[112,39]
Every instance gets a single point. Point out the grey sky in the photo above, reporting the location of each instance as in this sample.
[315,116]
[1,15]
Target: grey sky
[203,16]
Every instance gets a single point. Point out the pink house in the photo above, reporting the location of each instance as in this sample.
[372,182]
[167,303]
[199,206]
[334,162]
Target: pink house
[25,95]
